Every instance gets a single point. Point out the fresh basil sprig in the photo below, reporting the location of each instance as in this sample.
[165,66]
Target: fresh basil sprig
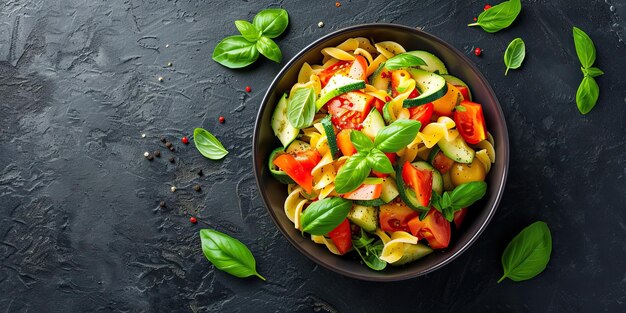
[528,253]
[322,216]
[397,135]
[514,54]
[461,197]
[352,173]
[403,60]
[360,141]
[371,251]
[588,90]
[228,254]
[240,51]
[301,108]
[208,145]
[499,16]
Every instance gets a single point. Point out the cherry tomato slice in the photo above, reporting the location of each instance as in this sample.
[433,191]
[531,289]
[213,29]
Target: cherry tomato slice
[471,122]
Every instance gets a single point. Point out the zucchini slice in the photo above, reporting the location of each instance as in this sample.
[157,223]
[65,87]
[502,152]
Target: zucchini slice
[407,194]
[373,123]
[431,86]
[281,126]
[329,129]
[457,150]
[298,146]
[336,86]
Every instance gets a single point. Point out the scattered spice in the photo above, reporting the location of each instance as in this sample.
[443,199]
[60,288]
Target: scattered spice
[167,45]
[222,120]
[162,204]
[248,89]
[169,64]
[168,144]
[478,51]
[337,4]
[487,7]
[475,19]
[172,160]
[157,153]
[200,173]
[143,135]
[185,140]
[148,156]
[172,148]
[193,220]
[197,188]
[161,78]
[320,24]
[163,140]
[173,189]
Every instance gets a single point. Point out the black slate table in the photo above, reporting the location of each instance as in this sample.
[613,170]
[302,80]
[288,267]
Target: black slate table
[81,229]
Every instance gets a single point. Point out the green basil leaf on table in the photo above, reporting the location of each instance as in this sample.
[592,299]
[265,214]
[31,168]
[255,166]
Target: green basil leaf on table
[228,254]
[528,253]
[301,108]
[403,60]
[397,135]
[585,49]
[361,142]
[379,162]
[247,30]
[271,22]
[322,216]
[592,71]
[235,52]
[352,174]
[208,145]
[499,16]
[587,94]
[465,195]
[514,54]
[269,49]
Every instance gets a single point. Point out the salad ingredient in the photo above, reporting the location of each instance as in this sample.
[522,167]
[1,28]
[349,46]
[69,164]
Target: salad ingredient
[439,160]
[301,108]
[437,180]
[342,237]
[499,17]
[279,174]
[487,7]
[457,150]
[280,124]
[433,227]
[470,122]
[228,254]
[365,192]
[462,173]
[298,167]
[344,142]
[403,60]
[193,220]
[365,217]
[461,197]
[395,217]
[358,70]
[338,85]
[369,251]
[412,253]
[331,137]
[422,113]
[322,216]
[444,105]
[433,63]
[432,86]
[415,186]
[350,110]
[478,51]
[588,90]
[396,135]
[373,123]
[352,173]
[222,120]
[184,140]
[248,89]
[208,145]
[528,253]
[514,54]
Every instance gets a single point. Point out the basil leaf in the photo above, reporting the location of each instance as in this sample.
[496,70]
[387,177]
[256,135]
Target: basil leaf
[362,241]
[352,174]
[585,49]
[301,108]
[228,254]
[361,142]
[271,22]
[235,52]
[247,30]
[435,201]
[379,162]
[322,216]
[514,54]
[269,49]
[466,194]
[528,253]
[397,135]
[403,60]
[587,94]
[592,71]
[371,256]
[499,16]
[208,145]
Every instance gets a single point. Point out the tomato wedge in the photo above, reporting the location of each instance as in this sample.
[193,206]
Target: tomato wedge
[422,113]
[350,110]
[392,158]
[434,228]
[442,163]
[421,181]
[299,167]
[395,217]
[459,216]
[379,104]
[464,91]
[342,237]
[365,192]
[471,122]
[340,67]
[358,70]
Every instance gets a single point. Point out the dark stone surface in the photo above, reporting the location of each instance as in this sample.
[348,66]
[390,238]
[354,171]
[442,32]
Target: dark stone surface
[81,229]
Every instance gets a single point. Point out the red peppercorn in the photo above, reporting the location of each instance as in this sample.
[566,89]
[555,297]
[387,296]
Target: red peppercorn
[475,19]
[222,120]
[487,7]
[185,140]
[193,220]
[248,89]
[478,51]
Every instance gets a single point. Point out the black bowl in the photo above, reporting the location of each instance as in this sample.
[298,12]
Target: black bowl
[274,193]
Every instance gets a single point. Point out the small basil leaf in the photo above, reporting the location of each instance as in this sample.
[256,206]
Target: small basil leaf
[466,194]
[592,71]
[363,240]
[448,214]
[435,201]
[269,49]
[514,54]
[271,22]
[235,52]
[352,174]
[361,142]
[587,94]
[228,254]
[499,16]
[379,162]
[528,253]
[247,30]
[446,200]
[371,256]
[322,216]
[397,135]
[403,60]
[301,108]
[585,48]
[208,145]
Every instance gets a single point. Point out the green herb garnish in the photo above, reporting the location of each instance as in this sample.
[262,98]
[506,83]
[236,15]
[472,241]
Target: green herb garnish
[301,108]
[324,215]
[228,254]
[499,16]
[208,145]
[528,253]
[461,197]
[514,54]
[588,90]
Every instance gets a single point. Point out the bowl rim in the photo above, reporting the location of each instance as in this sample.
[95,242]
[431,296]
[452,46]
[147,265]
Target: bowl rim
[483,81]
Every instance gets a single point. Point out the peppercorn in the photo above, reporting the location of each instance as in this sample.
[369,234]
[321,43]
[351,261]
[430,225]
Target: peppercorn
[172,148]
[248,89]
[163,139]
[172,160]
[222,120]
[173,189]
[197,188]
[162,204]
[168,144]
[161,79]
[200,173]
[185,140]
[148,156]
[157,153]
[169,64]
[478,51]
[320,24]
[337,4]
[487,7]
[193,220]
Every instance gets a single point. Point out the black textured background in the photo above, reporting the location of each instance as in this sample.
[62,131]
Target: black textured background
[80,225]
